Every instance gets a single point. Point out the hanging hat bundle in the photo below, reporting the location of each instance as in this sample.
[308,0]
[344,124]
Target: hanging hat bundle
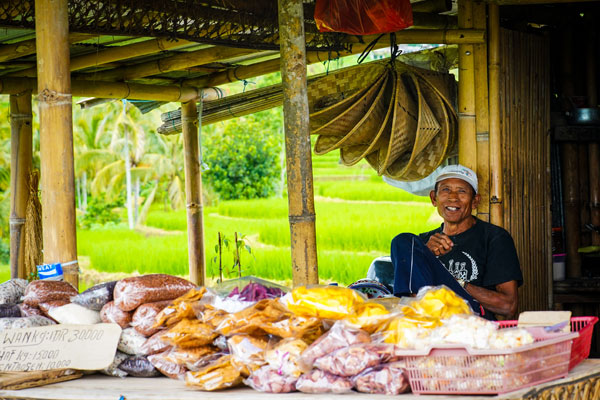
[397,117]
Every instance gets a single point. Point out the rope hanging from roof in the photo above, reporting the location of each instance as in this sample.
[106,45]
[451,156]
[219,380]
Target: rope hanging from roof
[240,23]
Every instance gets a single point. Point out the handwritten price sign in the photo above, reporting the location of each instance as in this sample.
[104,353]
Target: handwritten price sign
[90,347]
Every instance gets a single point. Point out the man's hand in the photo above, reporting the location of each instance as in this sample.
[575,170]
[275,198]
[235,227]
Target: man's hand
[439,244]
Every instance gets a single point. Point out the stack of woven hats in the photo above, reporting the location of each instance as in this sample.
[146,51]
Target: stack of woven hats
[397,117]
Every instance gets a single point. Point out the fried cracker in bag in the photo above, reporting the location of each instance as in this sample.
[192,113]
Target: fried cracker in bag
[156,343]
[247,352]
[352,360]
[181,307]
[387,379]
[167,367]
[250,320]
[317,381]
[190,333]
[218,375]
[327,302]
[285,356]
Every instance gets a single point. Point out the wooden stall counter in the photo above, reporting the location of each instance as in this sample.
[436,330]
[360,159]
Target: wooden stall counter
[583,383]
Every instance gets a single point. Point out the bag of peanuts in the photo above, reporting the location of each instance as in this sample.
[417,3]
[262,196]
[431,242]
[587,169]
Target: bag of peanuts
[132,292]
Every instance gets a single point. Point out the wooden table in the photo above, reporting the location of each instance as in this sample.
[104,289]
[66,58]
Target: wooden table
[583,383]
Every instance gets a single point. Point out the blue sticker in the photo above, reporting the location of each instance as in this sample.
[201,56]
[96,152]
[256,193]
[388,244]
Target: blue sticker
[50,271]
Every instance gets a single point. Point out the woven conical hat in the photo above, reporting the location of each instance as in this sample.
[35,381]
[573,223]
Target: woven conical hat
[404,126]
[350,155]
[366,129]
[430,147]
[327,91]
[343,124]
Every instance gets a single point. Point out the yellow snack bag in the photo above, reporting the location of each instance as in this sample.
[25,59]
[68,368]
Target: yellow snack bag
[329,302]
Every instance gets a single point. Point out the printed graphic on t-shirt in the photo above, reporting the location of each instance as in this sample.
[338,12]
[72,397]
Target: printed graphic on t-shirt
[460,269]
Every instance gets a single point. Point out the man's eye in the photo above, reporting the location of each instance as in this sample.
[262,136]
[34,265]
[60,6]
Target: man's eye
[445,189]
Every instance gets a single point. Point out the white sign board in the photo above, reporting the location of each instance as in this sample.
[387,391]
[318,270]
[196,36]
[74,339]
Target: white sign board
[89,347]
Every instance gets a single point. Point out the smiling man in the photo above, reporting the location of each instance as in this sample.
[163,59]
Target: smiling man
[474,258]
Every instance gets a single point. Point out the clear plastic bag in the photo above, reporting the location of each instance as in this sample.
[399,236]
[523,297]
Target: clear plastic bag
[219,374]
[284,356]
[339,336]
[144,317]
[139,366]
[45,291]
[190,333]
[95,297]
[167,367]
[247,352]
[10,311]
[74,314]
[112,314]
[322,301]
[11,291]
[352,360]
[25,322]
[156,344]
[113,368]
[317,381]
[270,380]
[250,288]
[132,292]
[387,379]
[131,342]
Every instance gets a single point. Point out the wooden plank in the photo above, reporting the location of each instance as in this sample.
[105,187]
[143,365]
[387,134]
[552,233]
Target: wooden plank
[24,380]
[100,387]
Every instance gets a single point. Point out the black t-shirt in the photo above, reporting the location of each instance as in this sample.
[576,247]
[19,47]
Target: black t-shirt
[484,255]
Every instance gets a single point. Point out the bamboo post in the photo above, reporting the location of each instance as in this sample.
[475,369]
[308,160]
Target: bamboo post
[467,132]
[297,143]
[56,136]
[482,114]
[495,152]
[20,166]
[193,192]
[571,206]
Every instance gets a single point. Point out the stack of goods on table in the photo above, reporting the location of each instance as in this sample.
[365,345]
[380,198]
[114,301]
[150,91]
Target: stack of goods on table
[319,339]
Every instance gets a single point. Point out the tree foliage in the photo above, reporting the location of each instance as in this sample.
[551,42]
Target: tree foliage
[243,156]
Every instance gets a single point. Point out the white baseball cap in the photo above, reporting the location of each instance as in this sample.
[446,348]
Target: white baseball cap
[460,172]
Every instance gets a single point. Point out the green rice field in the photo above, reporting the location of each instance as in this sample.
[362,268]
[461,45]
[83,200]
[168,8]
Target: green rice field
[357,216]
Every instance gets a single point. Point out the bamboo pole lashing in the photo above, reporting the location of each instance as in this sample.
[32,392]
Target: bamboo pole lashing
[467,130]
[297,144]
[171,63]
[115,90]
[193,193]
[28,47]
[115,53]
[56,136]
[21,156]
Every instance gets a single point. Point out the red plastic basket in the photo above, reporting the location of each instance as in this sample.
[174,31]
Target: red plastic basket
[450,369]
[581,345]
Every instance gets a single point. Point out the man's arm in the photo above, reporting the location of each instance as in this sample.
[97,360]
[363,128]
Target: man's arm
[504,301]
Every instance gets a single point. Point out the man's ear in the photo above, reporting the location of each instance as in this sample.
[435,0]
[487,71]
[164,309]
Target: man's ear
[432,197]
[476,201]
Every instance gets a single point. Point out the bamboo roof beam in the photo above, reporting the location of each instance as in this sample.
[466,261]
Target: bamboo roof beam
[433,36]
[115,53]
[173,63]
[27,47]
[115,90]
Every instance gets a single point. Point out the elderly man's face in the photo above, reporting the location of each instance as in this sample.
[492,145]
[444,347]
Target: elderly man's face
[454,199]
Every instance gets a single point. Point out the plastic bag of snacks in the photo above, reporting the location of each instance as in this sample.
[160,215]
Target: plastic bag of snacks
[167,367]
[317,381]
[387,379]
[271,380]
[327,302]
[113,368]
[10,310]
[25,322]
[156,343]
[352,360]
[190,333]
[340,335]
[247,352]
[132,292]
[181,308]
[220,374]
[95,297]
[250,288]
